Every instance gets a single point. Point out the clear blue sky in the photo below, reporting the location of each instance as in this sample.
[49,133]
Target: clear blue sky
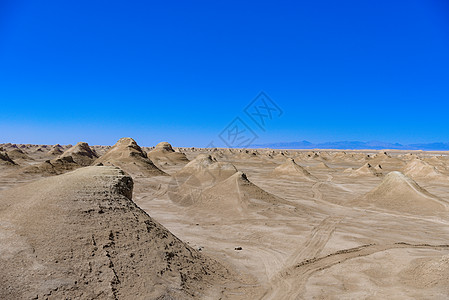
[180,71]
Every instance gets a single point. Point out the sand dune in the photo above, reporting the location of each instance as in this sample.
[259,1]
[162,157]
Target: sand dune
[127,155]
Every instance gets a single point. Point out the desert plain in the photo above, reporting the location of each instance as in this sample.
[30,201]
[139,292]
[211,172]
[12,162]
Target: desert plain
[130,222]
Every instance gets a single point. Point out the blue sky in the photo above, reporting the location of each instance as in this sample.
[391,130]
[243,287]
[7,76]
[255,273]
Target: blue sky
[181,71]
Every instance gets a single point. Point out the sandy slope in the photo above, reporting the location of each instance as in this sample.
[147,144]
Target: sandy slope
[79,235]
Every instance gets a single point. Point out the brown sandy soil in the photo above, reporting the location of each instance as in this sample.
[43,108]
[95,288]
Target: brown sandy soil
[264,224]
[164,154]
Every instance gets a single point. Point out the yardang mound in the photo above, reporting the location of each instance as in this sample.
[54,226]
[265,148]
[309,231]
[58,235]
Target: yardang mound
[366,170]
[206,170]
[419,169]
[199,174]
[320,165]
[164,153]
[18,154]
[55,151]
[6,160]
[400,193]
[236,193]
[291,168]
[81,153]
[52,167]
[79,236]
[127,155]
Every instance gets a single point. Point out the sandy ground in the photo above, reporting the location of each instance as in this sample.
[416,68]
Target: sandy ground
[341,233]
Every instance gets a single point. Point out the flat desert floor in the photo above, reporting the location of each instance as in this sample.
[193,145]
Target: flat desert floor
[264,224]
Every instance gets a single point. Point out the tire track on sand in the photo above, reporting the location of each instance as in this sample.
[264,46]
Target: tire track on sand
[289,284]
[316,241]
[317,195]
[312,247]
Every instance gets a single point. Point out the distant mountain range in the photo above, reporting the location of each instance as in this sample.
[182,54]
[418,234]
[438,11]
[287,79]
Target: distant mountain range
[357,145]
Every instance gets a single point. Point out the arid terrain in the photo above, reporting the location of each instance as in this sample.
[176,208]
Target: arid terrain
[131,222]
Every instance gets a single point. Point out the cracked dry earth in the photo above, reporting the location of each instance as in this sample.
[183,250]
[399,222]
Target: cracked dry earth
[266,235]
